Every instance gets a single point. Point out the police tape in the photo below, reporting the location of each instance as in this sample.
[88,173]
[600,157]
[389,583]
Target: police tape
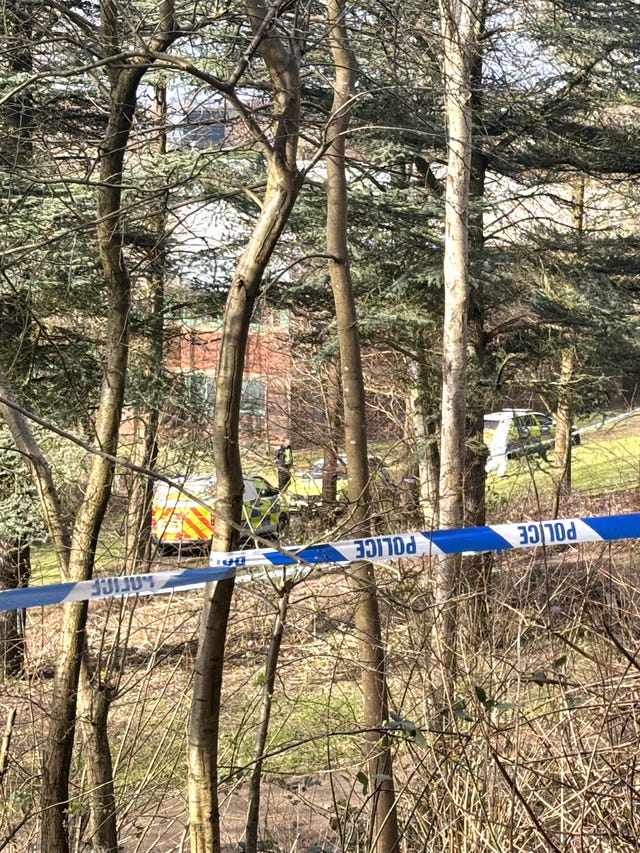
[494,537]
[223,565]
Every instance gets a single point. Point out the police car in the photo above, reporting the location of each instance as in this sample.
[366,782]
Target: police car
[304,491]
[179,520]
[521,431]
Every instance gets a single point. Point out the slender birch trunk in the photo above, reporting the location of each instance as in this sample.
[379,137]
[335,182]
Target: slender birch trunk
[384,836]
[457,22]
[283,184]
[270,671]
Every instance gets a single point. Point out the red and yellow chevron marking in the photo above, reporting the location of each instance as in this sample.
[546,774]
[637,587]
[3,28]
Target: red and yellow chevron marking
[184,524]
[196,525]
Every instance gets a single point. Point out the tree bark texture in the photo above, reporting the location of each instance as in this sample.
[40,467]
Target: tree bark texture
[332,397]
[138,529]
[478,380]
[476,569]
[424,426]
[57,753]
[94,700]
[457,20]
[562,448]
[564,415]
[260,742]
[283,184]
[15,570]
[384,825]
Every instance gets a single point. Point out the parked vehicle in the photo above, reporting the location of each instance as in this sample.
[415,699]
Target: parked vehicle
[177,520]
[341,464]
[526,432]
[304,492]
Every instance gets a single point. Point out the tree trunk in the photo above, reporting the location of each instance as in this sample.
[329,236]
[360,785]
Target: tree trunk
[270,670]
[15,570]
[332,396]
[283,184]
[475,576]
[204,816]
[476,569]
[562,449]
[457,19]
[138,529]
[58,749]
[138,519]
[94,701]
[424,425]
[59,744]
[564,415]
[205,710]
[384,836]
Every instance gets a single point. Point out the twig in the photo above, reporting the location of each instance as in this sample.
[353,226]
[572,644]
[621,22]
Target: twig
[6,742]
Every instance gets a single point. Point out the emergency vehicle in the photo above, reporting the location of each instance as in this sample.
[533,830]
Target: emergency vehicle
[526,431]
[179,521]
[513,433]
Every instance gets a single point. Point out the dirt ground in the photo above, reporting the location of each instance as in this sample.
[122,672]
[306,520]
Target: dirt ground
[148,648]
[313,796]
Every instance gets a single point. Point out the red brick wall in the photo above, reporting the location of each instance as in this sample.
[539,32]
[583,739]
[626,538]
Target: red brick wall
[268,360]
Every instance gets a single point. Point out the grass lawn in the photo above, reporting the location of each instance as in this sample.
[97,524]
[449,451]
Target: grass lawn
[607,465]
[44,565]
[600,465]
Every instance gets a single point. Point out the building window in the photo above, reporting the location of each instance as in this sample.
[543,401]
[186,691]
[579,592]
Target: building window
[200,391]
[254,397]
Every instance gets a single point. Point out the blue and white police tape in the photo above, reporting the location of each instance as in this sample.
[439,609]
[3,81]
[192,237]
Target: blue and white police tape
[494,537]
[112,587]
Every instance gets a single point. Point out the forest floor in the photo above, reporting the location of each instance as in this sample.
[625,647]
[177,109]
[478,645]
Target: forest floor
[546,607]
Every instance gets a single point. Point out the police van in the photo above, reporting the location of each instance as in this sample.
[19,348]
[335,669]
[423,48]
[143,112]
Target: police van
[511,433]
[179,519]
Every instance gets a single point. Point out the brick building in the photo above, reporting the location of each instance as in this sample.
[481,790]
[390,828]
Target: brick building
[193,355]
[283,396]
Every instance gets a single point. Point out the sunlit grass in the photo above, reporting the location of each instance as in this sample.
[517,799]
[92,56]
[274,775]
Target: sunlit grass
[607,465]
[600,465]
[44,564]
[298,732]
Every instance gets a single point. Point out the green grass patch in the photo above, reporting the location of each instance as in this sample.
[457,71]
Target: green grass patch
[607,465]
[303,733]
[599,466]
[44,564]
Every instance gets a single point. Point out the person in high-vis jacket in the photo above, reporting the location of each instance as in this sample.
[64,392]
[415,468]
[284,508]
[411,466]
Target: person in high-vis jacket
[284,462]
